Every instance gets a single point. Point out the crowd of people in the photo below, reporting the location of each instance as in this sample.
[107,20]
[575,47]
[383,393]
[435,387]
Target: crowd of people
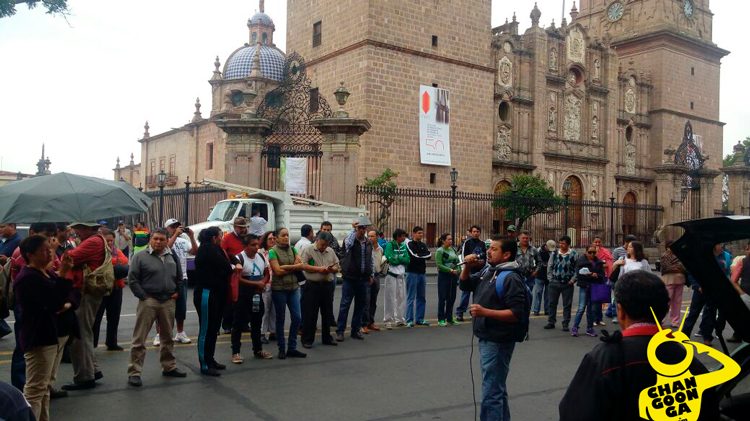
[64,278]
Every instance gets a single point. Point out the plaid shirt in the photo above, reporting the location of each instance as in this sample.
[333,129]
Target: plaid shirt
[528,262]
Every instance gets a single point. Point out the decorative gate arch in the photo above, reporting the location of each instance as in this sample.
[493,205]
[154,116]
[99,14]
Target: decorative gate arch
[689,155]
[290,107]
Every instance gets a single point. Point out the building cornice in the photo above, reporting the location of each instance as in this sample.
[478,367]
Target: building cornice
[668,36]
[687,116]
[579,158]
[397,48]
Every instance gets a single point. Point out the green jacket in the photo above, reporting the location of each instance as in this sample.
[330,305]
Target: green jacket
[396,254]
[446,259]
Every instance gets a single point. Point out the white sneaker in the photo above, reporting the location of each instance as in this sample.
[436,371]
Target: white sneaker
[157,342]
[182,338]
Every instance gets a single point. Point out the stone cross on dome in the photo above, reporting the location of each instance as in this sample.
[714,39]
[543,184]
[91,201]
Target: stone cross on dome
[261,6]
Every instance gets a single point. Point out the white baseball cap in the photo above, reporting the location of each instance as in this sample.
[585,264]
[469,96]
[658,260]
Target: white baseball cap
[171,222]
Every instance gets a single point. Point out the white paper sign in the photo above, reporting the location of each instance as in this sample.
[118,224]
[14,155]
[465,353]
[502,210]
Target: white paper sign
[434,126]
[294,173]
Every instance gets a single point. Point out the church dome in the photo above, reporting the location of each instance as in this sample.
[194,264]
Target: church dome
[260,18]
[240,63]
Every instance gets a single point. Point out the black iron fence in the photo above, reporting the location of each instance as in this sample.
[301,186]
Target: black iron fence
[200,201]
[582,220]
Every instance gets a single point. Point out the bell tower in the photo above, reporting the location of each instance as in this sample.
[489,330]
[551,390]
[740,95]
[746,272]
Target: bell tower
[669,44]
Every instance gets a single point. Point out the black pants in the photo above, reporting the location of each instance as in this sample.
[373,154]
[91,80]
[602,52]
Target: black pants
[555,289]
[447,284]
[709,323]
[371,302]
[227,317]
[243,313]
[317,299]
[210,307]
[332,292]
[112,304]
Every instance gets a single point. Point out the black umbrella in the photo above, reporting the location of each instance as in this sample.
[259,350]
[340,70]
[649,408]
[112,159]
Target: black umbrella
[69,197]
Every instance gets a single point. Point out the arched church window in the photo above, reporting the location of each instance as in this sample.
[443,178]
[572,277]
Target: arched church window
[265,38]
[629,134]
[255,38]
[689,155]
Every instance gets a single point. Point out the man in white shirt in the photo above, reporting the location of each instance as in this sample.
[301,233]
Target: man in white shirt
[257,224]
[182,242]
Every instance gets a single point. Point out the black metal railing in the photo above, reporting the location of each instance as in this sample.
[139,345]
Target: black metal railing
[582,220]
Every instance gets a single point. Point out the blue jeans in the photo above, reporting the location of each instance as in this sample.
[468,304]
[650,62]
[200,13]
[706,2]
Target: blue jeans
[495,360]
[539,293]
[463,305]
[584,303]
[282,300]
[352,289]
[415,290]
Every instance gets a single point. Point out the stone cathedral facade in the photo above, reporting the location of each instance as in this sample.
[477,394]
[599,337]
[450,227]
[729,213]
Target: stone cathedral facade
[620,98]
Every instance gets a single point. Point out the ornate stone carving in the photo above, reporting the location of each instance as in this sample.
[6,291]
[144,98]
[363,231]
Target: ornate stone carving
[507,47]
[594,182]
[552,112]
[576,47]
[595,122]
[629,159]
[593,195]
[597,69]
[572,126]
[553,60]
[502,143]
[505,72]
[551,178]
[630,101]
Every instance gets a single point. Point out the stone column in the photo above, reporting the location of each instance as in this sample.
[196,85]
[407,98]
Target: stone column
[739,189]
[339,166]
[245,139]
[669,188]
[707,179]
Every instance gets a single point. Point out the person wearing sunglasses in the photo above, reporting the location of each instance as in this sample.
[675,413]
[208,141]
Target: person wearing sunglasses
[589,270]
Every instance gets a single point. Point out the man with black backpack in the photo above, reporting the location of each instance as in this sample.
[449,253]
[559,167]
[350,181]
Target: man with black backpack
[500,312]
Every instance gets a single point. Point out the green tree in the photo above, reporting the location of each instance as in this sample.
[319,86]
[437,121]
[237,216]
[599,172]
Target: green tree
[8,7]
[528,195]
[384,187]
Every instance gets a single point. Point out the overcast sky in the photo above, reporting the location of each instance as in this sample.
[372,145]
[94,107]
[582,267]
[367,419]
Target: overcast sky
[85,86]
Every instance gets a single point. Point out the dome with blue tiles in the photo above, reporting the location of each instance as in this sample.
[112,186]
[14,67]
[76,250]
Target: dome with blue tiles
[261,18]
[240,63]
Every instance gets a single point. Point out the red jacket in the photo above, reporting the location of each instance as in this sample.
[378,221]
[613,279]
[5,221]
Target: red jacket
[90,252]
[118,258]
[232,244]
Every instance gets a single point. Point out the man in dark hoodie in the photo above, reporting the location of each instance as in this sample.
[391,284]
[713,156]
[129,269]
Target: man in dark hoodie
[610,379]
[500,313]
[415,278]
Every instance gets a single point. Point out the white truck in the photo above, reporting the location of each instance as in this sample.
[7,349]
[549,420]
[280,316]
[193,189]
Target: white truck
[280,209]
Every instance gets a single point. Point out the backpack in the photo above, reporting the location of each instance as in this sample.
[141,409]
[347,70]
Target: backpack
[100,281]
[522,333]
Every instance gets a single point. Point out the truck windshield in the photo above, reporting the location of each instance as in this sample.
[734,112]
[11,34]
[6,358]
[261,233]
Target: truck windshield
[223,211]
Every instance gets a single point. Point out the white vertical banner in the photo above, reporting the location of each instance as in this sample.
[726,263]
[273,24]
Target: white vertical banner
[434,126]
[294,175]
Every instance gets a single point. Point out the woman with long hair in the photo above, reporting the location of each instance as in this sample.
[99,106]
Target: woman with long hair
[212,269]
[635,260]
[268,325]
[447,264]
[285,292]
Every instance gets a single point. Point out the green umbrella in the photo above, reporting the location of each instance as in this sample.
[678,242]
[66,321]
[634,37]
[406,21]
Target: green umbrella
[69,197]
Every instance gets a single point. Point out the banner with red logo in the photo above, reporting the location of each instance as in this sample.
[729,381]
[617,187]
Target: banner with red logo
[434,126]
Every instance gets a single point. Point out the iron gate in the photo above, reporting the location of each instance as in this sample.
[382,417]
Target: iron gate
[290,108]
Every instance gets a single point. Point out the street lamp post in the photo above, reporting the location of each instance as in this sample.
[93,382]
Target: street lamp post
[566,193]
[454,178]
[161,180]
[187,202]
[612,241]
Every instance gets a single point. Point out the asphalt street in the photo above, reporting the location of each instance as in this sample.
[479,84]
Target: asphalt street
[404,374]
